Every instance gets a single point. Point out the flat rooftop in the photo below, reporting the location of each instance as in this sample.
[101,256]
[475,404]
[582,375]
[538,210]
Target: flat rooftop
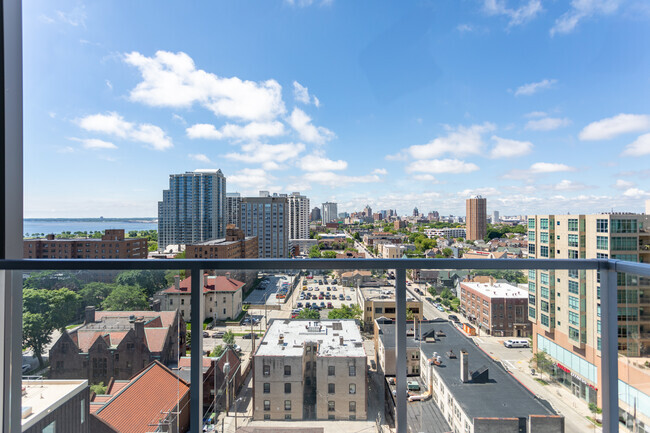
[382,293]
[221,241]
[327,333]
[502,396]
[497,290]
[41,397]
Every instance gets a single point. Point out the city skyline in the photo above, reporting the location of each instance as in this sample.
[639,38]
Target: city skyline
[349,116]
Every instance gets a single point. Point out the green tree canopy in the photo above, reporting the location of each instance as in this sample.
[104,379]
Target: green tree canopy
[217,351]
[126,298]
[229,338]
[150,281]
[308,313]
[345,312]
[93,294]
[328,254]
[52,280]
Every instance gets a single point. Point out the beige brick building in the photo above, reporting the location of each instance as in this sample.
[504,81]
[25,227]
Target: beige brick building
[308,370]
[376,302]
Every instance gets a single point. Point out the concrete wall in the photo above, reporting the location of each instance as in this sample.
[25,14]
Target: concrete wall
[497,425]
[546,424]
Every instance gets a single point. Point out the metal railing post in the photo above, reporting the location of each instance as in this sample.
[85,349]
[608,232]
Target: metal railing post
[196,354]
[400,350]
[609,347]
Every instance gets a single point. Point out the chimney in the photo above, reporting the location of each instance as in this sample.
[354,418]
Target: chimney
[49,237]
[90,314]
[139,328]
[155,306]
[464,366]
[281,339]
[341,341]
[177,282]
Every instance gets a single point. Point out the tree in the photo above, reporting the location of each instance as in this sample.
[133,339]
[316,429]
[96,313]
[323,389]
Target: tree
[93,294]
[153,245]
[150,281]
[229,338]
[126,298]
[328,254]
[541,361]
[133,234]
[98,388]
[409,314]
[357,236]
[345,312]
[308,313]
[52,280]
[314,252]
[217,351]
[43,312]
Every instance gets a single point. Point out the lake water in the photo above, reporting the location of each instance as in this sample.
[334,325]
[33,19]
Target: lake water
[56,226]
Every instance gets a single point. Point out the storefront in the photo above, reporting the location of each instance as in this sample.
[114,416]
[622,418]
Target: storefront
[575,383]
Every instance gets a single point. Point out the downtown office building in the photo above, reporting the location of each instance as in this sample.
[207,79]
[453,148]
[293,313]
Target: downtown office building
[193,209]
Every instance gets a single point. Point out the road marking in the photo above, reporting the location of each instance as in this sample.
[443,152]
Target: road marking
[479,340]
[509,364]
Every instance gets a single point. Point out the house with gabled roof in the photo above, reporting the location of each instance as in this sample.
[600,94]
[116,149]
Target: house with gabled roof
[155,399]
[117,344]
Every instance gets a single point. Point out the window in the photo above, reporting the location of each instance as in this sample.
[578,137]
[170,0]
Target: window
[353,406]
[573,240]
[267,388]
[573,254]
[330,370]
[287,416]
[543,292]
[573,224]
[602,255]
[266,370]
[602,243]
[624,226]
[267,404]
[353,388]
[602,226]
[83,411]
[531,312]
[544,319]
[574,303]
[531,274]
[50,428]
[574,334]
[543,223]
[287,370]
[531,236]
[287,405]
[531,287]
[531,223]
[287,388]
[543,238]
[531,299]
[543,278]
[624,244]
[330,406]
[574,318]
[378,310]
[543,251]
[531,249]
[543,305]
[573,273]
[331,388]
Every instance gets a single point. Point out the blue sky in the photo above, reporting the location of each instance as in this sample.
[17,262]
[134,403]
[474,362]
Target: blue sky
[541,106]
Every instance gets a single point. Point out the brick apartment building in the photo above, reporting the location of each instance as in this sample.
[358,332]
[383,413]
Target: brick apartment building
[112,245]
[117,344]
[498,309]
[234,246]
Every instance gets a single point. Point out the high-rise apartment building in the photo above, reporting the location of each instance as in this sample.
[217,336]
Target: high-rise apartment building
[193,209]
[495,217]
[564,305]
[266,217]
[315,214]
[298,216]
[476,214]
[330,212]
[233,201]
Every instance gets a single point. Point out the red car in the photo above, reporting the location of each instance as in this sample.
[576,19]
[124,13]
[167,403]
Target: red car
[329,305]
[321,297]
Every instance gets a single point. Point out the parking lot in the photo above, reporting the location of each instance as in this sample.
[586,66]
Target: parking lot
[318,293]
[267,295]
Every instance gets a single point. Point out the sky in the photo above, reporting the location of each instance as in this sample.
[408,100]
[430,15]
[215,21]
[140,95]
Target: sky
[541,106]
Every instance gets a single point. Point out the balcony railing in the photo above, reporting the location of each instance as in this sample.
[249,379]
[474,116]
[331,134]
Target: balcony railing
[608,281]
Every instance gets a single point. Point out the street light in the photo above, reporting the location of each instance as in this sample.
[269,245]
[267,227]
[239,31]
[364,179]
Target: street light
[236,401]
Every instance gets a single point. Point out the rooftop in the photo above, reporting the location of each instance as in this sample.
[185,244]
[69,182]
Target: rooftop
[508,397]
[210,284]
[222,241]
[497,290]
[334,338]
[379,293]
[40,397]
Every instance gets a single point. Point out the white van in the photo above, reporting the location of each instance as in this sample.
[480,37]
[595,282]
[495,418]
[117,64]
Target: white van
[516,343]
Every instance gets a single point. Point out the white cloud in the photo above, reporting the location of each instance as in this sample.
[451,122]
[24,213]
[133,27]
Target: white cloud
[623,184]
[464,28]
[581,9]
[485,192]
[547,124]
[548,167]
[172,80]
[636,193]
[199,157]
[336,179]
[178,118]
[251,178]
[399,156]
[436,166]
[269,155]
[506,148]
[612,126]
[114,124]
[519,16]
[534,114]
[320,163]
[46,19]
[95,143]
[425,178]
[301,122]
[301,94]
[532,88]
[461,141]
[380,171]
[109,85]
[251,131]
[76,17]
[639,147]
[568,185]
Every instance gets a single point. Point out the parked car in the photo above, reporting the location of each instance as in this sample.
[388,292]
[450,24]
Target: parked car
[299,305]
[348,298]
[329,305]
[308,304]
[516,343]
[334,288]
[321,297]
[329,288]
[441,308]
[454,318]
[205,334]
[322,304]
[250,335]
[218,334]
